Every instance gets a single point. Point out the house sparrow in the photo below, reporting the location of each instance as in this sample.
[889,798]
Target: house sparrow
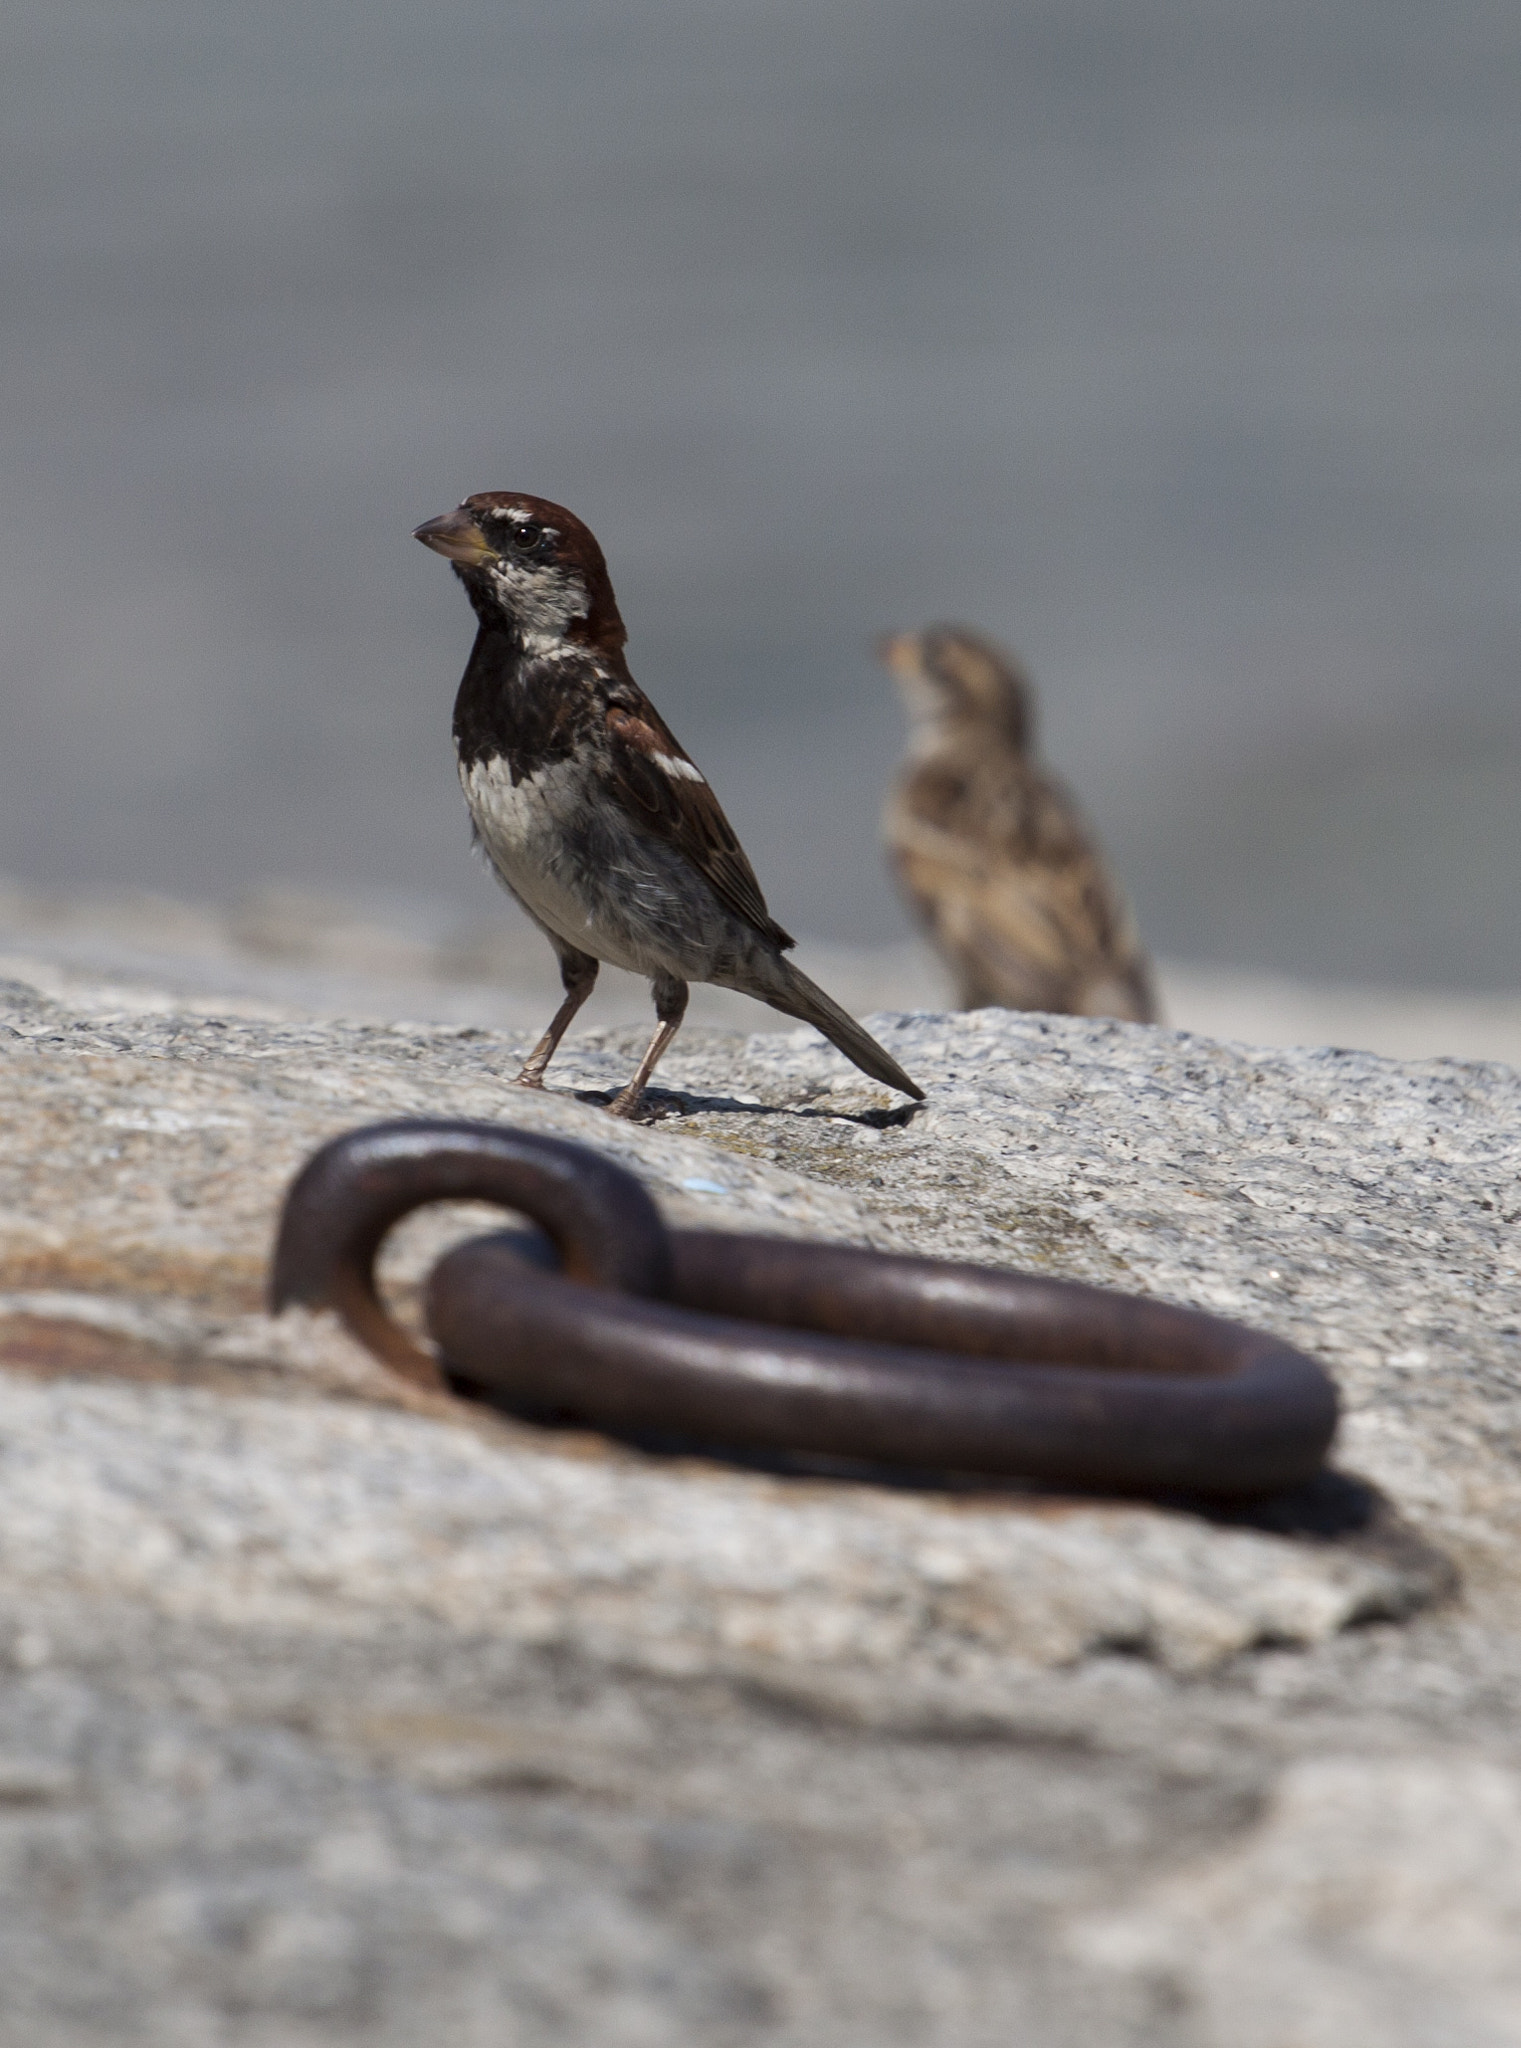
[591,814]
[991,852]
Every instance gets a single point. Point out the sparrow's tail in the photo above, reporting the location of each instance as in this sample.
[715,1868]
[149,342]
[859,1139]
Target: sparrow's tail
[797,996]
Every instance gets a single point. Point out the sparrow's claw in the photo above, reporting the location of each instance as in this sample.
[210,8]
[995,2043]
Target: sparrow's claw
[526,1079]
[626,1103]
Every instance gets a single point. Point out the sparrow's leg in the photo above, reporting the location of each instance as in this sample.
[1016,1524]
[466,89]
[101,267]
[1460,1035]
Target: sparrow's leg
[578,975]
[670,1007]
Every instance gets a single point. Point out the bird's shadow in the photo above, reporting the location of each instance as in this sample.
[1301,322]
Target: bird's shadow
[666,1105]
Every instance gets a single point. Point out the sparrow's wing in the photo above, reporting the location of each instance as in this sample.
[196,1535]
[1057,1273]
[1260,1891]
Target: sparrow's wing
[660,786]
[1070,921]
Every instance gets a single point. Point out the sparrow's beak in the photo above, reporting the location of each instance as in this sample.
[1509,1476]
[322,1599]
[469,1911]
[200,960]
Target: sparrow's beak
[901,652]
[456,537]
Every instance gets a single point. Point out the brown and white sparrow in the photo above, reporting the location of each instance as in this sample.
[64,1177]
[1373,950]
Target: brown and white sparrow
[590,813]
[991,851]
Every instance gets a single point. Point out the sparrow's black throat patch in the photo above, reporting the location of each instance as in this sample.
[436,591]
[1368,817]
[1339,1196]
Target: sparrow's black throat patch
[527,710]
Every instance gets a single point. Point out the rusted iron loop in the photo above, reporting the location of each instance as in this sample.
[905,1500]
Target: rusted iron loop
[353,1192]
[772,1344]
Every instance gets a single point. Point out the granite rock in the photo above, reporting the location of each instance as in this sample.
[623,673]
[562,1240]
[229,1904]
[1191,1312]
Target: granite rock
[1374,1901]
[336,1710]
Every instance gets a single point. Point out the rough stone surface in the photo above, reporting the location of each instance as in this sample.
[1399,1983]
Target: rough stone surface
[336,1713]
[1322,1926]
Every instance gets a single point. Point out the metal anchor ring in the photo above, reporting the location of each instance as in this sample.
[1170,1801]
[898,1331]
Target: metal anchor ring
[764,1343]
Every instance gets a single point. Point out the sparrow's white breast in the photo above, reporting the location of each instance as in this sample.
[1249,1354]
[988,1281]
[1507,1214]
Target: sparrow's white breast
[537,835]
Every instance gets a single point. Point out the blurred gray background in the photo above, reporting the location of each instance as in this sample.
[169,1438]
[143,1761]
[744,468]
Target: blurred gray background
[1177,344]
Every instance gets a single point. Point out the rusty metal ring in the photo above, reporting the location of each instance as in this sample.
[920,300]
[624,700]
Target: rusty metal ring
[762,1343]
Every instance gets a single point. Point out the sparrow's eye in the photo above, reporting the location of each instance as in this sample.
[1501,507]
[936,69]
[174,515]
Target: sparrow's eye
[526,538]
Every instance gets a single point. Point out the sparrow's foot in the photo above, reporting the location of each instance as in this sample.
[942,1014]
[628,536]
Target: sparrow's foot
[527,1079]
[626,1102]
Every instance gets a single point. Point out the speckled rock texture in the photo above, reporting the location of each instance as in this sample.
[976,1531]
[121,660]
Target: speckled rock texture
[336,1713]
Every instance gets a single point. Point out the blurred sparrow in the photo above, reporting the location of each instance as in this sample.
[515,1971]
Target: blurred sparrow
[991,852]
[591,814]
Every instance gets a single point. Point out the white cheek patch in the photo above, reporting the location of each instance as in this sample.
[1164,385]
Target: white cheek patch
[543,601]
[677,769]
